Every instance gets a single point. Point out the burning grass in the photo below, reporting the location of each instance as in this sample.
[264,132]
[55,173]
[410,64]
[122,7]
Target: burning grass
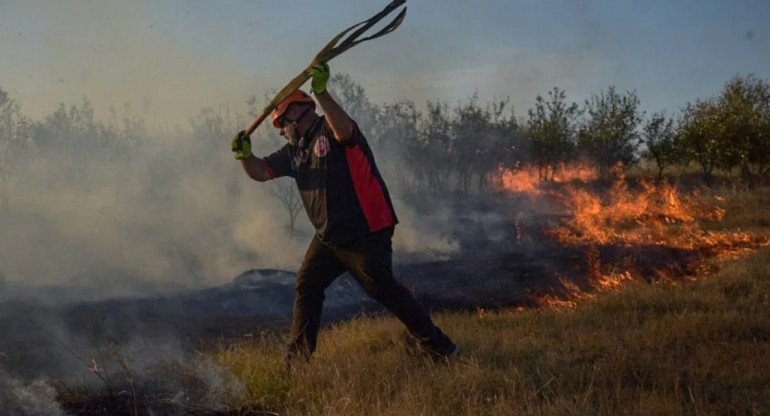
[645,214]
[624,231]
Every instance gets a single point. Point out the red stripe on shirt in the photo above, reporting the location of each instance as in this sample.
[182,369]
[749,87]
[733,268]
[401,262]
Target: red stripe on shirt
[368,190]
[268,169]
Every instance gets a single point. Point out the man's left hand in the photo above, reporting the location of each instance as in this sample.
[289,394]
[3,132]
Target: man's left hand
[241,145]
[320,76]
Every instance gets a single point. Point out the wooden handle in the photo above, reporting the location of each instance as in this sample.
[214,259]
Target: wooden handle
[332,49]
[256,123]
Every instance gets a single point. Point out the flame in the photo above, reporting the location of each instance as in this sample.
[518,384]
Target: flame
[532,179]
[656,215]
[631,217]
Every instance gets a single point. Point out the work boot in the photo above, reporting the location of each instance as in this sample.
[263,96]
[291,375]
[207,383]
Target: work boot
[450,350]
[438,346]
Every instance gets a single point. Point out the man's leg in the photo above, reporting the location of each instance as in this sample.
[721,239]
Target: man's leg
[318,271]
[370,261]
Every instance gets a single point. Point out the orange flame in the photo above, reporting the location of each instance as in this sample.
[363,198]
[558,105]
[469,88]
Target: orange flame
[532,179]
[658,215]
[637,215]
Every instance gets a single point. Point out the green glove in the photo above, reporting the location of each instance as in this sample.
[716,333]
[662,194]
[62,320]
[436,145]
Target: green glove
[241,145]
[320,75]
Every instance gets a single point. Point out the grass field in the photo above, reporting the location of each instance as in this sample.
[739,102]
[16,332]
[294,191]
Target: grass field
[698,345]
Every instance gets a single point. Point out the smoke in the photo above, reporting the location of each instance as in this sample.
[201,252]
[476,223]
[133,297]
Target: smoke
[219,390]
[79,361]
[88,220]
[424,237]
[163,371]
[175,214]
[35,398]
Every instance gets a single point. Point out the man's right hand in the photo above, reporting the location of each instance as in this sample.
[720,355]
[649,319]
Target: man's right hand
[320,76]
[241,145]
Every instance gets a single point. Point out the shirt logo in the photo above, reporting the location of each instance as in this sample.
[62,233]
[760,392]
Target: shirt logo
[321,147]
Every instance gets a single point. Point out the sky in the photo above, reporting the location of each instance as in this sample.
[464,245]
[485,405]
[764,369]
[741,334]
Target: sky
[165,60]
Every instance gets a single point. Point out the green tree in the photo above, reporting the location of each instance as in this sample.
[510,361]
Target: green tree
[609,134]
[552,131]
[660,139]
[744,114]
[699,132]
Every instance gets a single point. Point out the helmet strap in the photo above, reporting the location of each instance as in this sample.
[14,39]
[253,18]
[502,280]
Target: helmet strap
[294,138]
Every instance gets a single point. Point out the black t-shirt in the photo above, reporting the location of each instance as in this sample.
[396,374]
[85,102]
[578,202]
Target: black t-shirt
[342,190]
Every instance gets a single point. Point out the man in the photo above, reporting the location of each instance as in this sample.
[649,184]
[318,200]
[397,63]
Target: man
[349,205]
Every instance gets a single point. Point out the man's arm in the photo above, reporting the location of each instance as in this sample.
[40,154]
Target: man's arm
[337,118]
[256,168]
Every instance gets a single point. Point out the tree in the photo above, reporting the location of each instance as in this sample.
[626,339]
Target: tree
[482,140]
[744,114]
[127,133]
[81,144]
[552,129]
[470,132]
[14,131]
[699,126]
[73,131]
[506,142]
[352,97]
[661,143]
[397,132]
[434,166]
[211,127]
[609,134]
[286,192]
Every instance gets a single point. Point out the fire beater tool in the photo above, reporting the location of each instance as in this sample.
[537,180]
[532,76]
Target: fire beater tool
[330,51]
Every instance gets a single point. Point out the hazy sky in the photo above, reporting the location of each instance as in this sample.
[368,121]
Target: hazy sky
[169,58]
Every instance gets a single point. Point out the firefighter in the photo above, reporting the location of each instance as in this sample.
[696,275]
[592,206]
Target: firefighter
[348,203]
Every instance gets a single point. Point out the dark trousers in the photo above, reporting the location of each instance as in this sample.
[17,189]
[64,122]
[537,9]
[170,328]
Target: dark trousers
[369,260]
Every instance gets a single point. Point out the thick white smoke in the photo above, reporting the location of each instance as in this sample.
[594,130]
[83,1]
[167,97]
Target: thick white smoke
[21,398]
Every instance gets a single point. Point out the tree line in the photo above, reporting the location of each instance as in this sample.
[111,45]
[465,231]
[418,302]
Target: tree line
[460,147]
[443,147]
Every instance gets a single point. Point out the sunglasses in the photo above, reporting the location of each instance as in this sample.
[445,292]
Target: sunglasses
[284,119]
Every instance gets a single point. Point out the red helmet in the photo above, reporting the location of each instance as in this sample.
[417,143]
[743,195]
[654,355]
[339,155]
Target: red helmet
[297,96]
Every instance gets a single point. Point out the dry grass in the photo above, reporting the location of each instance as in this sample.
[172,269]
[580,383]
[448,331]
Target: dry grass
[745,210]
[701,348]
